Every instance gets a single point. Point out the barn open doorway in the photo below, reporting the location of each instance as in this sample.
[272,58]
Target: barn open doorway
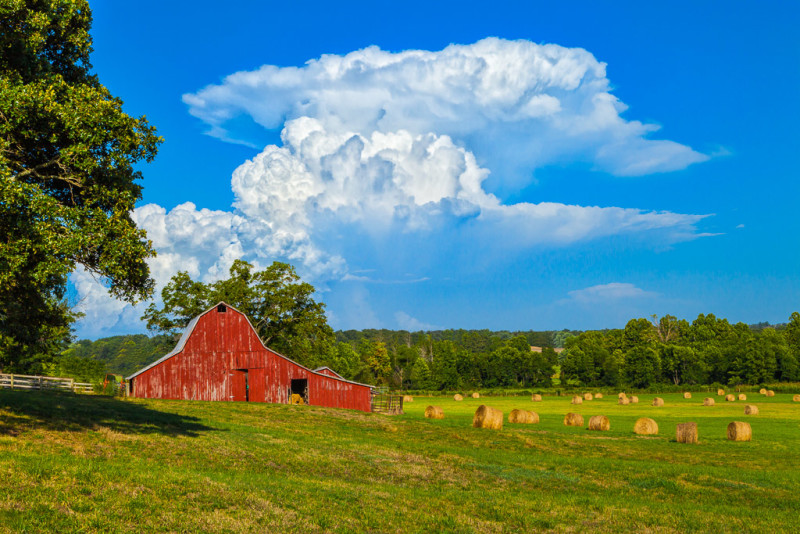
[298,391]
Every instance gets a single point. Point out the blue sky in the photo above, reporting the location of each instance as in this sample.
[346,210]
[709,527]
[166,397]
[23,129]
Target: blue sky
[503,165]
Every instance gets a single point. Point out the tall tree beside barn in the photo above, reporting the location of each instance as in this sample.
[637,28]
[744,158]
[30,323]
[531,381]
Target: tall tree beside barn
[67,178]
[279,304]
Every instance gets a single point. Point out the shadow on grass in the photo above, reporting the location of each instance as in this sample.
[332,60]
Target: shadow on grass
[22,411]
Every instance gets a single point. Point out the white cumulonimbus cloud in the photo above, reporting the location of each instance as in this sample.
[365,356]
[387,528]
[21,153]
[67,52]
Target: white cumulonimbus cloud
[395,154]
[517,105]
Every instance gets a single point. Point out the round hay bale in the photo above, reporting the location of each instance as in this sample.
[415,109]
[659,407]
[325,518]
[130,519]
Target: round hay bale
[770,393]
[645,426]
[536,397]
[434,412]
[739,431]
[458,397]
[623,400]
[620,395]
[708,401]
[598,395]
[730,398]
[476,395]
[408,398]
[634,399]
[720,392]
[577,399]
[686,433]
[751,410]
[658,401]
[587,396]
[796,398]
[687,395]
[487,417]
[762,391]
[573,419]
[523,416]
[742,396]
[599,422]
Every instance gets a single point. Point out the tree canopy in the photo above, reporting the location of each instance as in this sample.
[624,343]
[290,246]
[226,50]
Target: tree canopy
[671,351]
[67,178]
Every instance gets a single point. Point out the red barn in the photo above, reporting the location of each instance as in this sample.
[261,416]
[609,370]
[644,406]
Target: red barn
[221,358]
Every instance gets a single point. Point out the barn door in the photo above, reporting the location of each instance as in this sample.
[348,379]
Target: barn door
[257,385]
[239,385]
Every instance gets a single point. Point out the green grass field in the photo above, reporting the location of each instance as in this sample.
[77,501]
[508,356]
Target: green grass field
[91,463]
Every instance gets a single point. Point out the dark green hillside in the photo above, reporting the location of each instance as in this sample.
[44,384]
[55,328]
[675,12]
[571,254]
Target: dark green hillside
[123,354]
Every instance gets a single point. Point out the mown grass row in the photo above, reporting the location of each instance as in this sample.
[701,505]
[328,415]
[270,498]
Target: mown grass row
[83,463]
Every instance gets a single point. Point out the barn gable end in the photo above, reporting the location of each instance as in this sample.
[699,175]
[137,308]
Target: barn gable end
[328,371]
[221,358]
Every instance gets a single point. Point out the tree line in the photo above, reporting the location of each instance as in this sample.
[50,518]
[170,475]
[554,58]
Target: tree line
[451,359]
[667,350]
[646,353]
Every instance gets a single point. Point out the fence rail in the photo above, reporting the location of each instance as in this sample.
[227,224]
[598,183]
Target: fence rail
[43,382]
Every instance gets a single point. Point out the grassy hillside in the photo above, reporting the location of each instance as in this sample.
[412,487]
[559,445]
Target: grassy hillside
[86,463]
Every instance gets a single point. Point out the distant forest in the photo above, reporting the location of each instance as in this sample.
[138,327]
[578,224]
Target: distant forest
[646,353]
[123,355]
[670,351]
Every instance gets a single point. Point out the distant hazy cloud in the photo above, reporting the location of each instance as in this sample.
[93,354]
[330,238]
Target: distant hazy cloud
[407,322]
[609,292]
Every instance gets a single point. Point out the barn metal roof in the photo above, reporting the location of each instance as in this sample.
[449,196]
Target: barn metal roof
[188,332]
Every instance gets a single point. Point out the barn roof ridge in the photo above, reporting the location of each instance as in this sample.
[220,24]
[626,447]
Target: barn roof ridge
[188,332]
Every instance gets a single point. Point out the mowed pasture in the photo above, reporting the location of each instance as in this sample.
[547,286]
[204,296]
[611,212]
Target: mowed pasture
[85,463]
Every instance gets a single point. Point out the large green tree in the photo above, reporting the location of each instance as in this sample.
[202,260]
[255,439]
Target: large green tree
[67,178]
[280,305]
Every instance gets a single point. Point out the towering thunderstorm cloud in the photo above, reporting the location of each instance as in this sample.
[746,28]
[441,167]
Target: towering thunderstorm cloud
[386,153]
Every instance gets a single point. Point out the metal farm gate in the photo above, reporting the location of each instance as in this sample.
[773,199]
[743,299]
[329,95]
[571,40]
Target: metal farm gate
[384,402]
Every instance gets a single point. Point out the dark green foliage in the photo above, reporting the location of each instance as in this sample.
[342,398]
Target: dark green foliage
[345,361]
[455,359]
[80,368]
[67,179]
[642,366]
[671,351]
[646,353]
[122,355]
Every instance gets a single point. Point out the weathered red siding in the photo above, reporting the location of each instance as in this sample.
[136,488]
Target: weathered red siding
[222,356]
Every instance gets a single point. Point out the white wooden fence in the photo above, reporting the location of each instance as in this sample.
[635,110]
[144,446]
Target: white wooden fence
[43,382]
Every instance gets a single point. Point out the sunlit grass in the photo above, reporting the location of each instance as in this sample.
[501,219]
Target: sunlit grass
[71,463]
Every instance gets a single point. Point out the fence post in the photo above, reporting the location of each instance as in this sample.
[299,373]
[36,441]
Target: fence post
[40,382]
[72,384]
[12,381]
